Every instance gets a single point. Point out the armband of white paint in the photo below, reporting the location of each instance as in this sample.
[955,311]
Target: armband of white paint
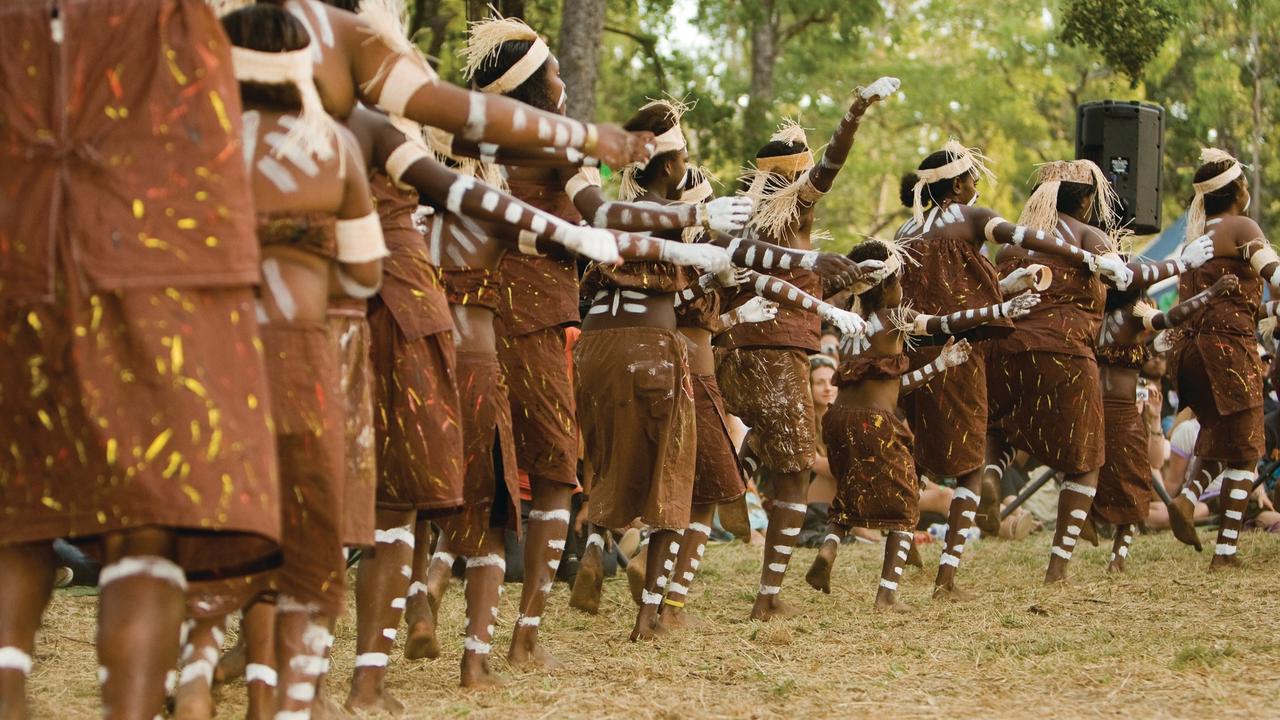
[360,239]
[809,260]
[527,243]
[581,180]
[990,230]
[920,326]
[11,658]
[403,82]
[476,645]
[354,289]
[809,193]
[402,158]
[1259,259]
[1019,234]
[149,565]
[371,659]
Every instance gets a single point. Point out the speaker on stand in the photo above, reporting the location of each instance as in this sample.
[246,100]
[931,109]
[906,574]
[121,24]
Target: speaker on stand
[1126,140]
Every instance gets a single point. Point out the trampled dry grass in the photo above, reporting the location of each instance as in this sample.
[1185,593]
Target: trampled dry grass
[1169,639]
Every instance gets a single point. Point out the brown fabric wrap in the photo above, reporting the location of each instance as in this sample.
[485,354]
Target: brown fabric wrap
[650,276]
[792,328]
[351,337]
[476,287]
[1130,356]
[126,138]
[703,312]
[307,406]
[539,292]
[953,275]
[411,286]
[949,414]
[490,488]
[718,477]
[418,426]
[140,408]
[635,407]
[312,233]
[543,415]
[1124,485]
[769,390]
[870,455]
[1069,315]
[855,369]
[1220,378]
[1048,404]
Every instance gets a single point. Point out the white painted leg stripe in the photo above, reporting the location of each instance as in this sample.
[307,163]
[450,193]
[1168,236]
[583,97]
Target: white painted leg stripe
[257,672]
[171,681]
[831,537]
[198,670]
[417,587]
[676,588]
[969,515]
[302,692]
[556,545]
[1229,533]
[371,659]
[549,515]
[794,507]
[700,528]
[476,645]
[397,604]
[1233,514]
[1068,541]
[443,557]
[770,589]
[1238,475]
[1076,487]
[595,539]
[668,565]
[1238,494]
[958,549]
[1124,551]
[673,548]
[406,571]
[1064,554]
[1190,495]
[11,658]
[308,664]
[149,565]
[694,563]
[389,633]
[293,715]
[687,576]
[786,549]
[662,581]
[902,555]
[554,565]
[897,570]
[964,493]
[949,559]
[1224,549]
[650,598]
[492,560]
[1073,529]
[103,674]
[394,535]
[534,621]
[1128,539]
[889,585]
[790,531]
[778,567]
[1079,514]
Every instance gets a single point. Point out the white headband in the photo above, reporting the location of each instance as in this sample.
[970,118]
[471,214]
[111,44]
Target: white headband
[315,132]
[1196,214]
[522,70]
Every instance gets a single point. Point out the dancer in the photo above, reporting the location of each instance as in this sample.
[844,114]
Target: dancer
[949,416]
[1044,396]
[1124,483]
[538,299]
[134,394]
[764,367]
[868,447]
[1215,366]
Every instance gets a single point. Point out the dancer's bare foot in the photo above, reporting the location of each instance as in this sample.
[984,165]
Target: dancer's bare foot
[674,618]
[1182,521]
[526,651]
[1116,565]
[891,604]
[1057,573]
[326,708]
[1225,561]
[589,583]
[422,641]
[476,672]
[366,695]
[768,607]
[647,627]
[819,575]
[952,593]
[635,575]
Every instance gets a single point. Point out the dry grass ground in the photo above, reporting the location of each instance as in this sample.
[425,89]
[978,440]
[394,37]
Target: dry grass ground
[1168,639]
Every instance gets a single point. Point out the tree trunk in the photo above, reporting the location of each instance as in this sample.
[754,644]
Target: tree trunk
[432,16]
[1255,180]
[581,27]
[764,56]
[511,8]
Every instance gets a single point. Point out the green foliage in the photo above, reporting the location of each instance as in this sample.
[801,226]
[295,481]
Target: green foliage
[1128,33]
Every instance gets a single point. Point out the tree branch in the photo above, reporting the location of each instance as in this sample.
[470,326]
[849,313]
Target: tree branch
[799,26]
[649,45]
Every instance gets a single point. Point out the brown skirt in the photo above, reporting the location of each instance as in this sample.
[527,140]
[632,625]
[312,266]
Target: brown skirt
[949,415]
[490,488]
[635,408]
[307,407]
[542,407]
[717,475]
[1124,485]
[140,408]
[768,388]
[1221,382]
[870,455]
[1048,404]
[350,331]
[418,423]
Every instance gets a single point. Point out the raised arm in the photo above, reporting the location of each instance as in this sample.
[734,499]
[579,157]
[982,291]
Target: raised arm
[823,175]
[1153,319]
[998,230]
[964,320]
[728,214]
[756,254]
[1259,253]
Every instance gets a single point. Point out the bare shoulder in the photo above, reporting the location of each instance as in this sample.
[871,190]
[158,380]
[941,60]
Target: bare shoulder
[1240,228]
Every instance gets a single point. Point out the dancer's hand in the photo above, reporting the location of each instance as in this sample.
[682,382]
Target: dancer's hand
[619,148]
[734,276]
[955,352]
[848,323]
[728,214]
[880,89]
[594,243]
[757,309]
[1114,268]
[1024,278]
[1020,305]
[835,269]
[707,258]
[1197,252]
[1224,285]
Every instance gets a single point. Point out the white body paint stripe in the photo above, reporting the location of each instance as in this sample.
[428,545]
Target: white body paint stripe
[257,672]
[371,659]
[11,658]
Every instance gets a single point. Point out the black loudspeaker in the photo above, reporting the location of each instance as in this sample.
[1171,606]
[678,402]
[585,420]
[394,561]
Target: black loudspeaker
[1126,140]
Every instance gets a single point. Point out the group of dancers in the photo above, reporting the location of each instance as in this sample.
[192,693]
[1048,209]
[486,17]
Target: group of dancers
[272,289]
